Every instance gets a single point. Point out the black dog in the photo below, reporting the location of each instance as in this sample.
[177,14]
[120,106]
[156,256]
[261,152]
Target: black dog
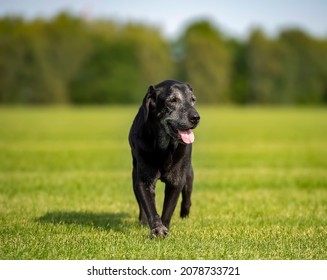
[161,140]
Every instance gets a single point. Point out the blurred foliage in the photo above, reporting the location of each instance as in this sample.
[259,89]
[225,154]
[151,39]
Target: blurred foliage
[206,62]
[69,60]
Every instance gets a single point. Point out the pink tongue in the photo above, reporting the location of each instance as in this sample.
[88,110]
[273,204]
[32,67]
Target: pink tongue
[187,136]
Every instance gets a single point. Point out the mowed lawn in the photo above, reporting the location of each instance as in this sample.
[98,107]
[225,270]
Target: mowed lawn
[260,186]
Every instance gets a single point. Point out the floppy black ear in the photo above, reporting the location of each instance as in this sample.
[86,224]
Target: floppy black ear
[147,101]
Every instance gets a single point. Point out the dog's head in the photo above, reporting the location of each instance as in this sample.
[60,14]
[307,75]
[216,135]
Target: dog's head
[171,104]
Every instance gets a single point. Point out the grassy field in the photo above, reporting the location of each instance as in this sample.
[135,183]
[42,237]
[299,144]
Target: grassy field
[260,186]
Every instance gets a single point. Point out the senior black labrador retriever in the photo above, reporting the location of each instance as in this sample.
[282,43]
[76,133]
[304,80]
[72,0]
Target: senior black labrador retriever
[161,140]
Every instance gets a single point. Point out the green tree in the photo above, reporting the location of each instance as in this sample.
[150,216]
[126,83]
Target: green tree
[38,58]
[239,85]
[122,66]
[110,74]
[264,59]
[304,67]
[66,59]
[290,69]
[206,62]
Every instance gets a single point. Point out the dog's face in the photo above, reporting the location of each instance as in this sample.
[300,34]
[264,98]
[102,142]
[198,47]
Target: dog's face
[171,104]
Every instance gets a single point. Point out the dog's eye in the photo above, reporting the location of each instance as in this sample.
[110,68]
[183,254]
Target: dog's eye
[173,100]
[193,100]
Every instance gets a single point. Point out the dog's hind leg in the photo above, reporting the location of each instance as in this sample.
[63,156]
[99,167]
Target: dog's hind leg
[186,195]
[142,216]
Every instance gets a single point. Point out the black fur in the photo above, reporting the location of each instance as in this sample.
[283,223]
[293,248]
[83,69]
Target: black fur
[159,153]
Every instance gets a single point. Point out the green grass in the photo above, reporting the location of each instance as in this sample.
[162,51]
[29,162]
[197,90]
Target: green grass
[260,186]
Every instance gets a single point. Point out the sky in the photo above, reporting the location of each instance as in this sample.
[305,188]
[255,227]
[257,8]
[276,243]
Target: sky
[235,17]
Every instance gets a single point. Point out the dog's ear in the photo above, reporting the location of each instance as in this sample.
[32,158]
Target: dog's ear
[189,86]
[148,101]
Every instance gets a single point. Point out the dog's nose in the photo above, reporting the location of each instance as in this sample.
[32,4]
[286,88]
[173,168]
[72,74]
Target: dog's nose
[194,118]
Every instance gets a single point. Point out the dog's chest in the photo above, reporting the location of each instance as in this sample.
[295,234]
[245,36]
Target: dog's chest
[173,166]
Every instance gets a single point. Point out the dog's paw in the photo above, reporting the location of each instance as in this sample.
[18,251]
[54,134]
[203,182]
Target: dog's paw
[159,231]
[185,211]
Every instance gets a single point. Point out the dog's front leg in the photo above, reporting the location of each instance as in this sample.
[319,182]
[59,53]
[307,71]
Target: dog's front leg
[147,196]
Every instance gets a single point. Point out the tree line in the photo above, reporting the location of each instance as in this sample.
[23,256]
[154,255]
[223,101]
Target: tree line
[66,59]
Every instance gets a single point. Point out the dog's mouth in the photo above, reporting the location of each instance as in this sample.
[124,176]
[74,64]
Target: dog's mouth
[185,135]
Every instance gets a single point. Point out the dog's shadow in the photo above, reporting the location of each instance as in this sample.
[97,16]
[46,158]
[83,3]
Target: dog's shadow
[102,221]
